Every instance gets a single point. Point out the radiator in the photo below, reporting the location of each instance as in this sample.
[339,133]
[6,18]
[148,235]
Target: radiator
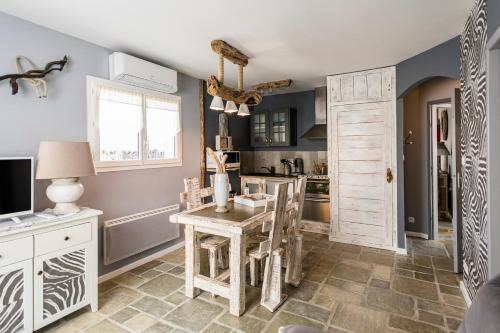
[132,234]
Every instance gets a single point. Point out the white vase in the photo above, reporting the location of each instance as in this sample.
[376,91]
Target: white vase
[221,189]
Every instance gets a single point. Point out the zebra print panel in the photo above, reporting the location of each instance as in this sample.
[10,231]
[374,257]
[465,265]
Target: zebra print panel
[474,148]
[12,302]
[63,282]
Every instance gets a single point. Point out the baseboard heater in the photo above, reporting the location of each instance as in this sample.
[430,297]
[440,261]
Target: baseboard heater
[132,234]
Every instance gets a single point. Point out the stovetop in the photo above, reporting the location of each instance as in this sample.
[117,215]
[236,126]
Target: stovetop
[318,177]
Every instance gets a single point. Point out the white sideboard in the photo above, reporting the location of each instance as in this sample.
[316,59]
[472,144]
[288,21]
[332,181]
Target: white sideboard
[48,269]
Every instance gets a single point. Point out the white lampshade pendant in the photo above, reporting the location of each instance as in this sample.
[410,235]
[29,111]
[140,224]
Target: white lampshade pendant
[231,107]
[243,111]
[217,104]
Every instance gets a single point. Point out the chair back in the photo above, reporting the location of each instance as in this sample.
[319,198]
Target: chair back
[297,204]
[279,214]
[194,195]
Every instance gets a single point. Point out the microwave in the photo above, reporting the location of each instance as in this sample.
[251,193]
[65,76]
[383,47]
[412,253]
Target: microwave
[232,161]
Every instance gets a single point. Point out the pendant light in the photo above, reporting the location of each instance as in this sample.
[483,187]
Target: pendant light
[231,107]
[217,104]
[243,111]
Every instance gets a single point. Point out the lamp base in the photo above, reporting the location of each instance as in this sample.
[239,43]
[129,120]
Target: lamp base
[64,192]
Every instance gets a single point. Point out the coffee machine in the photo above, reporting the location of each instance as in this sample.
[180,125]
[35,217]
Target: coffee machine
[298,166]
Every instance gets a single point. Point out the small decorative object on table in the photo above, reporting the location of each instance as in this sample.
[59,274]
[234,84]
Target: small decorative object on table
[253,200]
[221,185]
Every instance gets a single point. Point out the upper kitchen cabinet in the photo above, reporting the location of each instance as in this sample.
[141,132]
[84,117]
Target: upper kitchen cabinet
[362,87]
[273,128]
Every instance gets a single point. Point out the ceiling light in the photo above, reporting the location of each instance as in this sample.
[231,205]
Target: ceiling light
[231,107]
[217,104]
[243,111]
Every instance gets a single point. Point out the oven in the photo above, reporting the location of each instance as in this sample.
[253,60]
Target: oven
[317,199]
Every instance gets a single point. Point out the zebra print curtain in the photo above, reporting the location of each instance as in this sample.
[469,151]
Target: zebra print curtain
[474,148]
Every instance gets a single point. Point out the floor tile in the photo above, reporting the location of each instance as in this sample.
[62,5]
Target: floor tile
[106,326]
[152,306]
[413,326]
[351,272]
[117,299]
[164,267]
[159,328]
[453,324]
[285,319]
[424,277]
[140,322]
[176,298]
[377,258]
[194,315]
[161,285]
[450,290]
[305,292]
[79,322]
[148,275]
[244,323]
[445,277]
[216,328]
[146,267]
[124,314]
[431,318]
[381,272]
[415,288]
[332,294]
[379,283]
[442,308]
[359,319]
[307,310]
[390,301]
[130,280]
[347,285]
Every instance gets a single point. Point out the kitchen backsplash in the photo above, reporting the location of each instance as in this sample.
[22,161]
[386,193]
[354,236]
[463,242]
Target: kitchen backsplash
[252,161]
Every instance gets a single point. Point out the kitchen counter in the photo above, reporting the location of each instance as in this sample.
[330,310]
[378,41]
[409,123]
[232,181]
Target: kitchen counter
[269,175]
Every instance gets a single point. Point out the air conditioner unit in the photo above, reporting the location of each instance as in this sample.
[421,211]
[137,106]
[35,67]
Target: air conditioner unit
[140,73]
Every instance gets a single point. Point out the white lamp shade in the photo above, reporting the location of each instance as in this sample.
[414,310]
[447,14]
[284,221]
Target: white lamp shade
[243,111]
[231,107]
[59,159]
[217,104]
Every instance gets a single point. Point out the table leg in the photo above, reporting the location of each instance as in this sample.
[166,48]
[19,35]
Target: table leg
[237,279]
[192,253]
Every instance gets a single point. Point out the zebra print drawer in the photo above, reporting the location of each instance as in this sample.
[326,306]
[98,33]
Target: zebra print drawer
[16,250]
[62,238]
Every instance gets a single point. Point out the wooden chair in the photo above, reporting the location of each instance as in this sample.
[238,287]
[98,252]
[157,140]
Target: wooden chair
[272,296]
[259,181]
[292,242]
[293,255]
[193,197]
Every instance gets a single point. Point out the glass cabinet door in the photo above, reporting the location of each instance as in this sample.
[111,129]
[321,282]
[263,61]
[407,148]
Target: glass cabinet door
[279,128]
[259,129]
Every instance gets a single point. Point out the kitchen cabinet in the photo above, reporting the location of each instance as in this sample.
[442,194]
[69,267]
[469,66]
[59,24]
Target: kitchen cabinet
[273,128]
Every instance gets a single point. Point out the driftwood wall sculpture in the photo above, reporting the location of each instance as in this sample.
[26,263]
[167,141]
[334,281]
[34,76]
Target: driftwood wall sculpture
[35,75]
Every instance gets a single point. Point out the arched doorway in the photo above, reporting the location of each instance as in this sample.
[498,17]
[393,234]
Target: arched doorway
[430,147]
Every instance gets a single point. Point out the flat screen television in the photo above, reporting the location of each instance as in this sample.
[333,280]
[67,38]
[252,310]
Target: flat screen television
[16,186]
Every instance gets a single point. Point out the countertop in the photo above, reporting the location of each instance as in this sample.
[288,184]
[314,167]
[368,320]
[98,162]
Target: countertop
[269,175]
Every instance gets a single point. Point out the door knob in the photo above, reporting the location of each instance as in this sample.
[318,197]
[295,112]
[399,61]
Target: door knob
[389,175]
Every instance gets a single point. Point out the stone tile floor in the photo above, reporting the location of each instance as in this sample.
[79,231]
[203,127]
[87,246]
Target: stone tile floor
[347,288]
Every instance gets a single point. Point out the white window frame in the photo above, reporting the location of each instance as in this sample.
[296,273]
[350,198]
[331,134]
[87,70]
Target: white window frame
[93,84]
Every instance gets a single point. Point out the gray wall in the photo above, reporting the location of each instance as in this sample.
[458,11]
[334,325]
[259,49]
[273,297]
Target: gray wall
[493,12]
[25,120]
[303,104]
[417,155]
[440,61]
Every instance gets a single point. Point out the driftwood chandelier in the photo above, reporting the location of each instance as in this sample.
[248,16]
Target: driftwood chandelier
[216,87]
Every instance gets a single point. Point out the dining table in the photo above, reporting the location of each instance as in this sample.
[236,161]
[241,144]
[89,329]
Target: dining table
[235,224]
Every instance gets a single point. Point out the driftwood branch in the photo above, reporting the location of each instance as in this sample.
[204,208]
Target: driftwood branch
[215,88]
[229,52]
[272,85]
[34,73]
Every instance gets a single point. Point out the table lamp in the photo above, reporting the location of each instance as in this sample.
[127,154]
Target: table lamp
[63,163]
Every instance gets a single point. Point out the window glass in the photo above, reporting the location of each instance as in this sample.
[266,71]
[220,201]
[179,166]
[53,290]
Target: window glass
[162,128]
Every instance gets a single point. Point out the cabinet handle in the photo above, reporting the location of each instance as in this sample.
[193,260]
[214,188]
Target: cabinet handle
[389,175]
[270,140]
[66,238]
[40,273]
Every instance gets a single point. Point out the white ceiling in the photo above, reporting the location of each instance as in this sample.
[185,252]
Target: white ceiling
[299,39]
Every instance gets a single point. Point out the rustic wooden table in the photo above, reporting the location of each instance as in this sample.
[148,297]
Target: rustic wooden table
[235,225]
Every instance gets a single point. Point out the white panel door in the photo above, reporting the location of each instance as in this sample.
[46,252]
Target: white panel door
[361,155]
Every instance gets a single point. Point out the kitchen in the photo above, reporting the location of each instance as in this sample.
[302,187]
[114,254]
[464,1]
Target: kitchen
[284,137]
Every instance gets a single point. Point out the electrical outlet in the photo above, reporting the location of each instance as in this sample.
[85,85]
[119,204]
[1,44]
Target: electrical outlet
[411,219]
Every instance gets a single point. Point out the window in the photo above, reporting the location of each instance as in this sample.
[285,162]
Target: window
[132,128]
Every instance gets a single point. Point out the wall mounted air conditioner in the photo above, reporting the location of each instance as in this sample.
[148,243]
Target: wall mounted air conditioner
[140,73]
